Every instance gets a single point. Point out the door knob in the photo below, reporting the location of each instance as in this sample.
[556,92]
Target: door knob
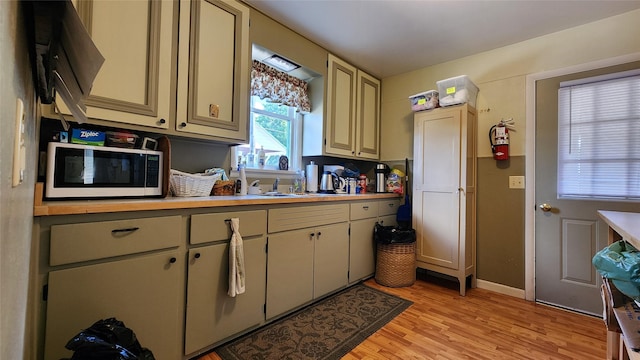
[546,207]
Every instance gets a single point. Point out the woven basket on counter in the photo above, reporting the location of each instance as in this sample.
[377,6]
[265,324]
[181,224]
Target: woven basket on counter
[224,187]
[184,184]
[396,264]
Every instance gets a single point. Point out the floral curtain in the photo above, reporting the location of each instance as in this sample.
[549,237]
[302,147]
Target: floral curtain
[279,87]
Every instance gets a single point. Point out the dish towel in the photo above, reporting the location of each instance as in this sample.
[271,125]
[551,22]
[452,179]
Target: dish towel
[236,260]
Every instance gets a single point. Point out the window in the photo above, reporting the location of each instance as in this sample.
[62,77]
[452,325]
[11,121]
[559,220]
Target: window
[599,137]
[278,101]
[275,128]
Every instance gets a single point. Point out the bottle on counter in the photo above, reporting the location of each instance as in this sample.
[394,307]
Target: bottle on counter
[251,159]
[243,180]
[261,157]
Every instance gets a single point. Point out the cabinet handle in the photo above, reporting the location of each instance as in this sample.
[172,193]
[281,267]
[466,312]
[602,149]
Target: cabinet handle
[131,229]
[365,207]
[162,121]
[391,204]
[173,260]
[197,255]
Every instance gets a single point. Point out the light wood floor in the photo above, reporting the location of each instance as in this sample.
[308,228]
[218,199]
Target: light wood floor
[482,325]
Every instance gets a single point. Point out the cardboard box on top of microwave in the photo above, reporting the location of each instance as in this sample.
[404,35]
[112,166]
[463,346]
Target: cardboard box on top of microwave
[87,137]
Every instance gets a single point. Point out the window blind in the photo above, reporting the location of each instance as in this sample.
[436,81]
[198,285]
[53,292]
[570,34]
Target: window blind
[599,138]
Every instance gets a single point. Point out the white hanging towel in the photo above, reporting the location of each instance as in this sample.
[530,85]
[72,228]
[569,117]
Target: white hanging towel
[236,260]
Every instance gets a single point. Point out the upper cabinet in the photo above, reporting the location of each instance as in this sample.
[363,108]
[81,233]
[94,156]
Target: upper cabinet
[154,50]
[353,112]
[134,83]
[213,69]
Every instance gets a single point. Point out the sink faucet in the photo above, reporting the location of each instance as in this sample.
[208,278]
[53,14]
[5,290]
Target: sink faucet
[275,184]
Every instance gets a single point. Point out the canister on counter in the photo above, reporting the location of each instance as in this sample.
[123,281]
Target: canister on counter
[362,183]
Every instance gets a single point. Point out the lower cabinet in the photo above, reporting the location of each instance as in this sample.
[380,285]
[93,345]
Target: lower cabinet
[211,314]
[304,265]
[144,292]
[308,255]
[362,247]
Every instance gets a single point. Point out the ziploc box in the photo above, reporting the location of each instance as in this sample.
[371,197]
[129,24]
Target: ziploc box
[424,101]
[87,137]
[457,90]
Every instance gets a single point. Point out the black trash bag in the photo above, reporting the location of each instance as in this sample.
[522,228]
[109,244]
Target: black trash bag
[394,235]
[108,339]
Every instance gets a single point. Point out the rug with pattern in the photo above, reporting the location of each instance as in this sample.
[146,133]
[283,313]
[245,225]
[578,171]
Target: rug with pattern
[326,330]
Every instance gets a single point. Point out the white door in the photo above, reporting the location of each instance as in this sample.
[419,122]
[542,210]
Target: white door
[568,232]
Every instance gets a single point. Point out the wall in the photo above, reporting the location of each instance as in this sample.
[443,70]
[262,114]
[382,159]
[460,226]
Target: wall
[501,74]
[16,204]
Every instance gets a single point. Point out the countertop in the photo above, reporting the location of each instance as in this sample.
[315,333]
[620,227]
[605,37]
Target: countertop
[627,224]
[71,207]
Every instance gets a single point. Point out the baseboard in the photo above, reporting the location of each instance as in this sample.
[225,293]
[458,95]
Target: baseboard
[499,288]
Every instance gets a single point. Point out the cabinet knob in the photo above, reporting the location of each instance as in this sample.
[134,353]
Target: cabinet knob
[183,124]
[319,233]
[311,236]
[197,255]
[162,121]
[173,260]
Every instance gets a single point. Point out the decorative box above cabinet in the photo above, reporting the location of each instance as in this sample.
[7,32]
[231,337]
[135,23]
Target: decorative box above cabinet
[134,84]
[353,112]
[213,69]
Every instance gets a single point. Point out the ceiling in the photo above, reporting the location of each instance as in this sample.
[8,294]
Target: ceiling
[390,37]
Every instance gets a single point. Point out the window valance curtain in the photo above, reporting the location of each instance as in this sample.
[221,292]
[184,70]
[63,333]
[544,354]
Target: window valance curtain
[279,87]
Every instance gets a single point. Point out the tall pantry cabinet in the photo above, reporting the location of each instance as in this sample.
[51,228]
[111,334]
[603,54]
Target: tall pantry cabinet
[444,191]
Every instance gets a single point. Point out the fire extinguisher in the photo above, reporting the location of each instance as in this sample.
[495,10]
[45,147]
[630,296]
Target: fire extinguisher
[499,139]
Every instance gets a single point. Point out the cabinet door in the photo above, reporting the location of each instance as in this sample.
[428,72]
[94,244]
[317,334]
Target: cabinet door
[341,108]
[330,259]
[143,292]
[212,315]
[368,117]
[134,83]
[213,69]
[437,187]
[289,270]
[362,250]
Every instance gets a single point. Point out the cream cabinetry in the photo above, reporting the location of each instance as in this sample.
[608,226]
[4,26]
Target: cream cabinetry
[308,255]
[211,314]
[213,69]
[353,112]
[444,191]
[362,250]
[128,269]
[154,50]
[134,85]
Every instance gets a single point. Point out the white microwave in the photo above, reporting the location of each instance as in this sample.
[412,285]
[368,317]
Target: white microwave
[85,171]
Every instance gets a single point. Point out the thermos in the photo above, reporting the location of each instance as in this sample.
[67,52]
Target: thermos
[381,170]
[312,177]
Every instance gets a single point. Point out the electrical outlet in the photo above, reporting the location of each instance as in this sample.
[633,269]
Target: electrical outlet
[516,182]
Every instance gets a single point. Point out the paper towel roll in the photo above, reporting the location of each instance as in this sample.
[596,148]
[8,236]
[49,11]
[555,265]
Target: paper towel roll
[312,177]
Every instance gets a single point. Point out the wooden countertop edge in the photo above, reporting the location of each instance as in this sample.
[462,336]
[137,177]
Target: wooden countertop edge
[74,207]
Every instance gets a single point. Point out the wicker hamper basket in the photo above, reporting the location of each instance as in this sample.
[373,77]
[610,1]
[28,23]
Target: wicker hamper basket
[184,184]
[396,264]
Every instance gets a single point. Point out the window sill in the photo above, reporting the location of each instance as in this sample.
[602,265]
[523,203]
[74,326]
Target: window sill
[265,173]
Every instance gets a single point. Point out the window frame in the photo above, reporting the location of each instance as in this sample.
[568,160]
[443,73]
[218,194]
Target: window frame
[585,128]
[295,159]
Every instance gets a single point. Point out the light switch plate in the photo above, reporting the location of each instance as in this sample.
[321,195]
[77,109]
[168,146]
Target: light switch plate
[516,182]
[19,145]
